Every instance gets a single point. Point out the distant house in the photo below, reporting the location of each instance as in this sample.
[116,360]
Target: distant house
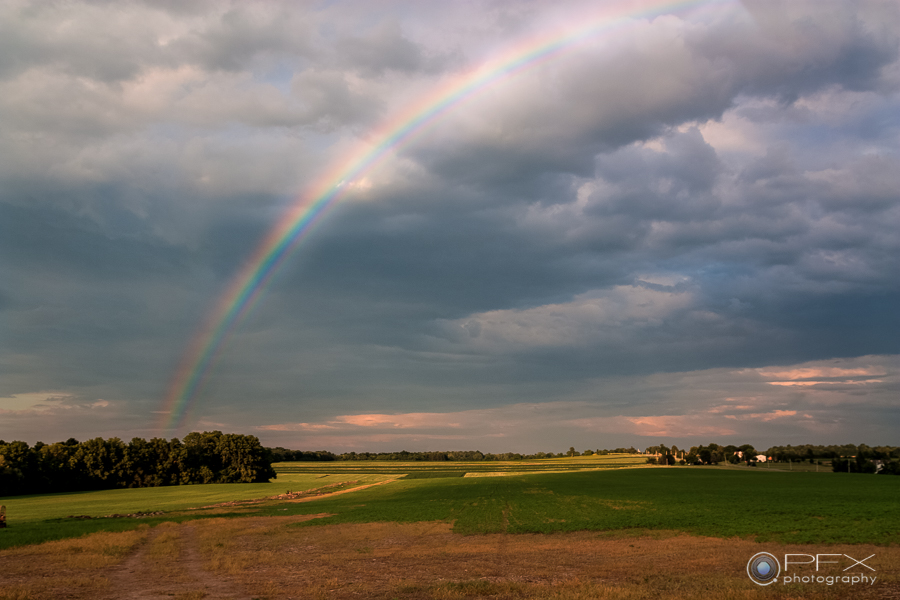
[761,458]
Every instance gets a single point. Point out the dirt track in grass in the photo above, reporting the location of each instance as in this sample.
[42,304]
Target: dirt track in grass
[142,576]
[347,491]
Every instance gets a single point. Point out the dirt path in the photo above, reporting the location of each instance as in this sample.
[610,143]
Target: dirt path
[347,491]
[145,576]
[301,496]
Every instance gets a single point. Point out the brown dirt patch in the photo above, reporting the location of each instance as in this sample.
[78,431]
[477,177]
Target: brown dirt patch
[268,557]
[168,566]
[426,560]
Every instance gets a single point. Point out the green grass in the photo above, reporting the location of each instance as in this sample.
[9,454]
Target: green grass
[758,503]
[776,506]
[40,518]
[799,467]
[24,509]
[434,474]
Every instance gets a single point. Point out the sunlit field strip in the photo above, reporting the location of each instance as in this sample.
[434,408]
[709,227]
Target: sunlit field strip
[40,518]
[25,509]
[396,467]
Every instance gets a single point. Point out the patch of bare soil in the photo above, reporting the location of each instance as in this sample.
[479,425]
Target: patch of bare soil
[163,563]
[269,558]
[427,560]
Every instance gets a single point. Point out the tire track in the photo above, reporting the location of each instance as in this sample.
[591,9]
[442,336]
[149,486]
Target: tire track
[142,577]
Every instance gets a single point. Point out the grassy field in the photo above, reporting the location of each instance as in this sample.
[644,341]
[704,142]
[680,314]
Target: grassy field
[30,509]
[800,467]
[583,493]
[778,506]
[40,518]
[584,527]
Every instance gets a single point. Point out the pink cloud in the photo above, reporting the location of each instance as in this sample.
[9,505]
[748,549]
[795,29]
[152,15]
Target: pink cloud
[404,420]
[820,372]
[811,376]
[295,427]
[675,426]
[775,414]
[767,416]
[349,424]
[811,383]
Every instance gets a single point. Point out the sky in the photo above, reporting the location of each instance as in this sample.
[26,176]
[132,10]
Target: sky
[682,226]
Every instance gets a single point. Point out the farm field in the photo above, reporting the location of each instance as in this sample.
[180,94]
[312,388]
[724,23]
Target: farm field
[575,534]
[783,507]
[420,469]
[45,517]
[29,509]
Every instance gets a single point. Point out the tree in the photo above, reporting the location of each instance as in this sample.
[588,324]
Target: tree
[17,467]
[55,462]
[705,455]
[748,453]
[100,463]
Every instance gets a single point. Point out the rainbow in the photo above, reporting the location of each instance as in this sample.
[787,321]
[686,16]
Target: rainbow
[311,207]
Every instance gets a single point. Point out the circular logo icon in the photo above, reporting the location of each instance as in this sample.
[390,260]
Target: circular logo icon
[763,568]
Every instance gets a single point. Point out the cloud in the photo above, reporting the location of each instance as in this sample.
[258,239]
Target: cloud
[688,408]
[825,376]
[384,48]
[766,417]
[676,426]
[591,315]
[33,401]
[633,228]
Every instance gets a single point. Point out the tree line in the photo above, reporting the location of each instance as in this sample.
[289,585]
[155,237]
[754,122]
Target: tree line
[69,466]
[847,458]
[283,455]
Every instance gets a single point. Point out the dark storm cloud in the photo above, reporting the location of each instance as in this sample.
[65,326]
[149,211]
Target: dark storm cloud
[762,252]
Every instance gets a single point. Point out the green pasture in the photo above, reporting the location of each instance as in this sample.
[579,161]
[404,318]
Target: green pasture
[757,503]
[749,503]
[25,509]
[39,518]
